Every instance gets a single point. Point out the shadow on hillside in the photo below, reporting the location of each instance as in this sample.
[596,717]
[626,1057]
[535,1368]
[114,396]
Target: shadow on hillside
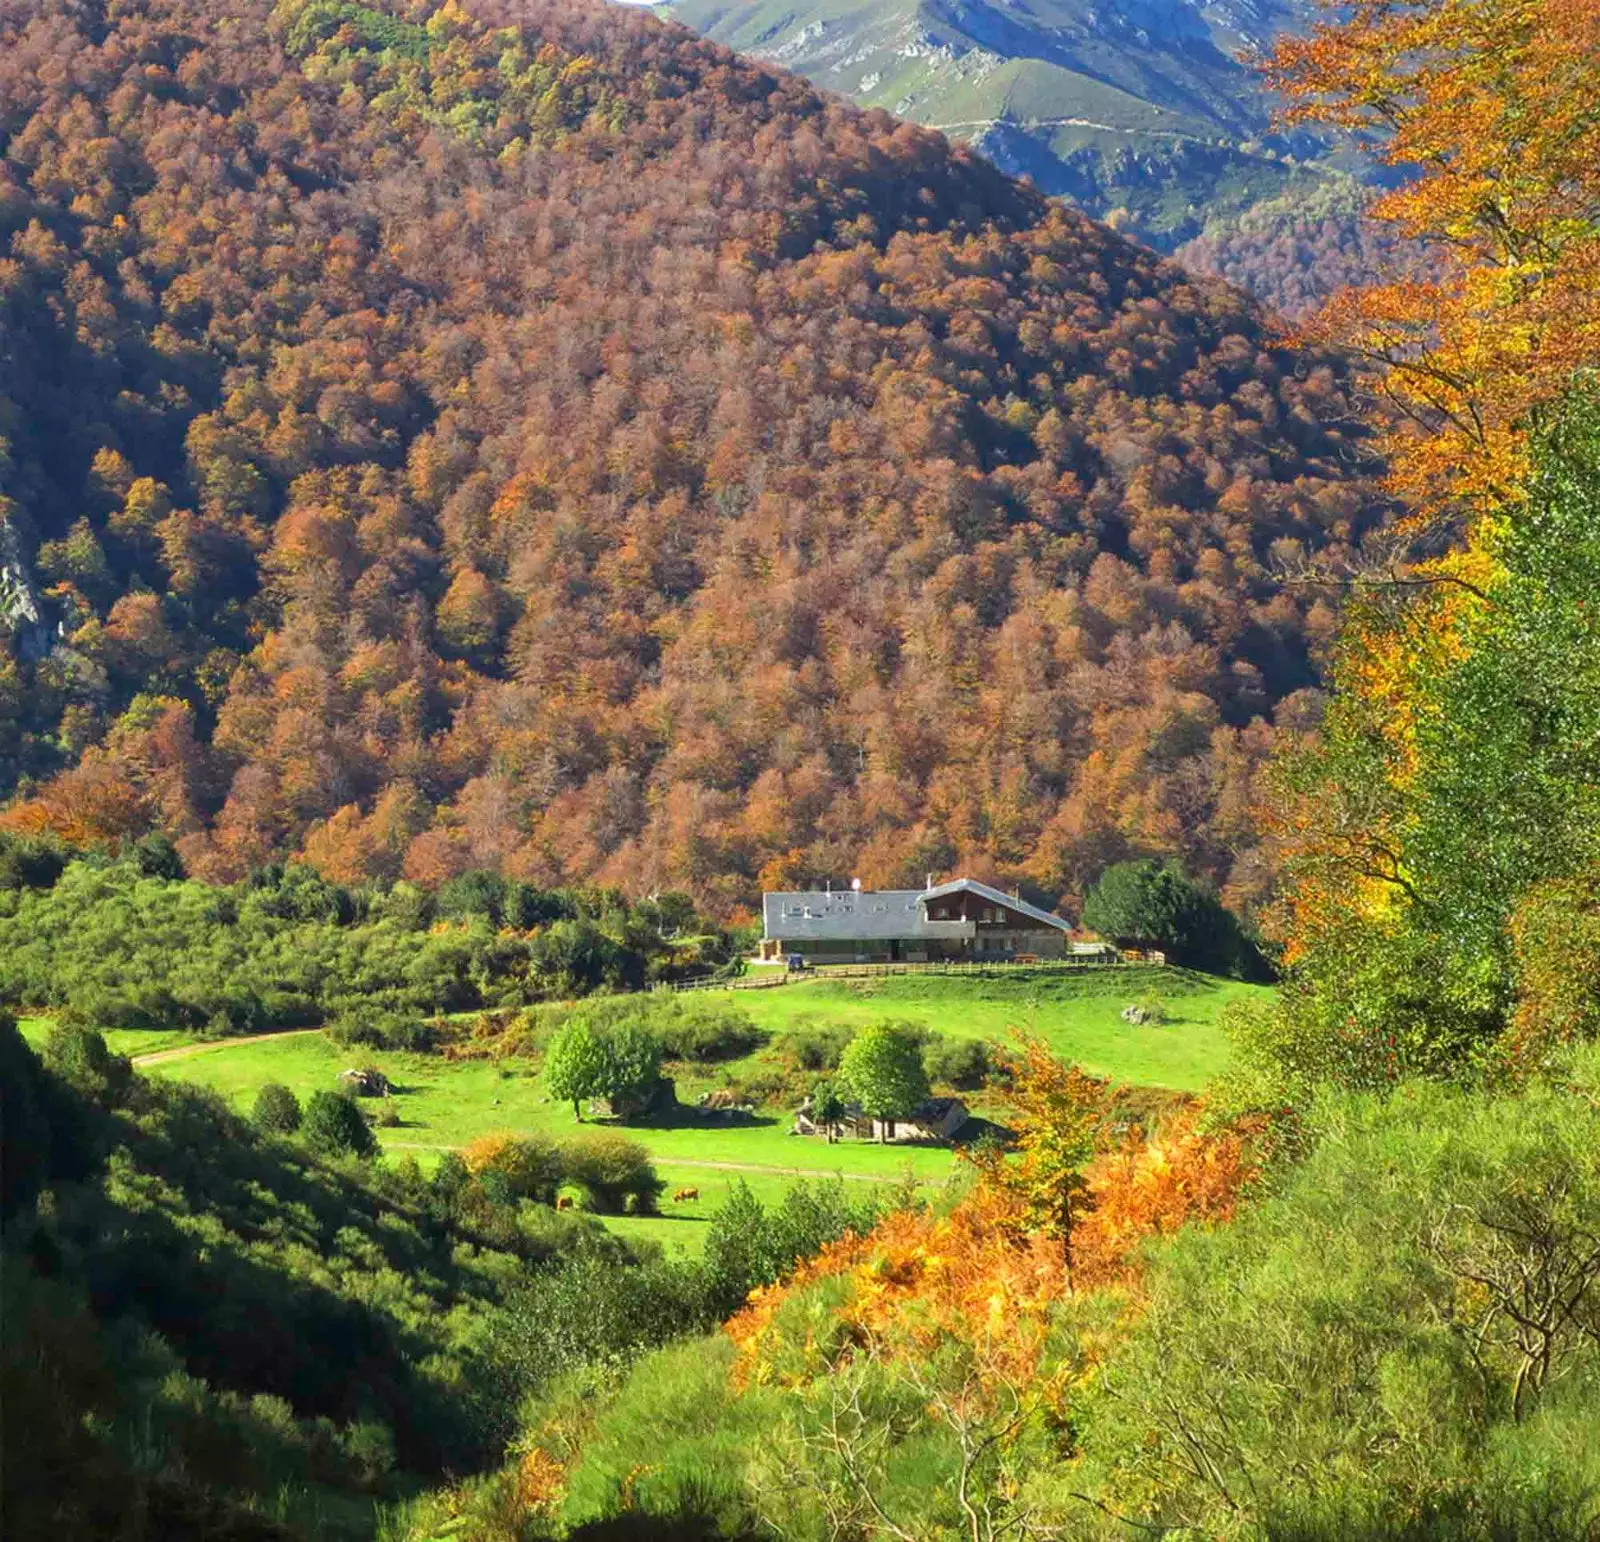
[686,1117]
[977,1129]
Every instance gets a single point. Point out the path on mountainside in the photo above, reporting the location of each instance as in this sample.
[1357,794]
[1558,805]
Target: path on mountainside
[184,1051]
[677,1161]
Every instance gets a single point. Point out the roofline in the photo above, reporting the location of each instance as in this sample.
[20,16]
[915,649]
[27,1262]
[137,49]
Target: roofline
[972,886]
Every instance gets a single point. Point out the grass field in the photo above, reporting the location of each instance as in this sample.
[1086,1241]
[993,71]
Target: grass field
[446,1103]
[121,1041]
[1077,1015]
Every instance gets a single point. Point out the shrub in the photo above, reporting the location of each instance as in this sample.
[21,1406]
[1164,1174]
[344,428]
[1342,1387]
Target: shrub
[748,1244]
[334,1126]
[77,1053]
[817,1046]
[1375,1324]
[615,1173]
[964,1064]
[276,1110]
[531,1165]
[594,1310]
[704,1032]
[380,1027]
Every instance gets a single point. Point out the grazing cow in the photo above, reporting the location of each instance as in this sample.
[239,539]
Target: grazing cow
[564,1202]
[686,1194]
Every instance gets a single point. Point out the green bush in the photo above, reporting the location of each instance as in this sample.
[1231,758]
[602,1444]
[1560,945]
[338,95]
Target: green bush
[276,1110]
[749,1244]
[965,1064]
[334,1126]
[615,1173]
[132,944]
[533,1166]
[380,1027]
[817,1046]
[77,1053]
[702,1031]
[594,1310]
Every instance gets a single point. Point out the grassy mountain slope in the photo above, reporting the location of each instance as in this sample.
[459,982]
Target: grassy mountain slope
[1140,107]
[529,437]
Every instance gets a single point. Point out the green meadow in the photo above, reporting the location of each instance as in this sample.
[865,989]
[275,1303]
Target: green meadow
[443,1103]
[1077,1014]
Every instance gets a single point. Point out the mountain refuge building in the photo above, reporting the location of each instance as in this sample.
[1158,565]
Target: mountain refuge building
[961,920]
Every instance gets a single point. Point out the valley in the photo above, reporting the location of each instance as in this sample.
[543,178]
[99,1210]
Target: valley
[715,826]
[444,1104]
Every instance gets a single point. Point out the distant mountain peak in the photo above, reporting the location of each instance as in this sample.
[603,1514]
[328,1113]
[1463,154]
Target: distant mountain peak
[1142,107]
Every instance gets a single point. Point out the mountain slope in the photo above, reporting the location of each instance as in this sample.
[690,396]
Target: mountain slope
[1140,106]
[531,438]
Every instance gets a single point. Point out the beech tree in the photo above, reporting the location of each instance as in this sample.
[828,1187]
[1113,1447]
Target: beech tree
[575,1065]
[882,1067]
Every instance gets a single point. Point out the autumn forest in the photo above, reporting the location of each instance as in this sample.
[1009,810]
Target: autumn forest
[569,450]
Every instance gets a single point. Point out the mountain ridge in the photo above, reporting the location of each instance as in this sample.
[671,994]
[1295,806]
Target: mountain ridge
[1139,109]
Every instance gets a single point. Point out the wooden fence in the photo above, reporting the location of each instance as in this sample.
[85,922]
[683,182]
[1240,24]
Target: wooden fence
[997,968]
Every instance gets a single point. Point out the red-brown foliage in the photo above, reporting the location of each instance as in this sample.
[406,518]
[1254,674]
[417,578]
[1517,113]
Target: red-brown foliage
[577,451]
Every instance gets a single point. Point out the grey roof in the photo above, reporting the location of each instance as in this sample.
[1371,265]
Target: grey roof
[818,915]
[997,897]
[878,915]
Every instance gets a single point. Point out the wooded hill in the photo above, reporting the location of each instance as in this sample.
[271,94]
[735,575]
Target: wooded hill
[527,437]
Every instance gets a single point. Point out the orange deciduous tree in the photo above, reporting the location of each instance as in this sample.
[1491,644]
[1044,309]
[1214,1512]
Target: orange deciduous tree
[1490,106]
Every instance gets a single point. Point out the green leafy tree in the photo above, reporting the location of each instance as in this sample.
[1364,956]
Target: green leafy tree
[575,1065]
[1150,904]
[632,1066]
[827,1108]
[77,1053]
[1444,833]
[334,1126]
[276,1110]
[882,1067]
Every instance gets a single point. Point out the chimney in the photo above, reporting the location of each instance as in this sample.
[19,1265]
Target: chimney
[855,883]
[929,883]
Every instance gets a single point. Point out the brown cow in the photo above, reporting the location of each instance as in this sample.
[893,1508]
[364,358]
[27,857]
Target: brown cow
[686,1194]
[564,1202]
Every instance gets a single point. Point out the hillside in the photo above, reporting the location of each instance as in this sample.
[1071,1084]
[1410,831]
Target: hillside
[1141,107]
[532,438]
[1294,252]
